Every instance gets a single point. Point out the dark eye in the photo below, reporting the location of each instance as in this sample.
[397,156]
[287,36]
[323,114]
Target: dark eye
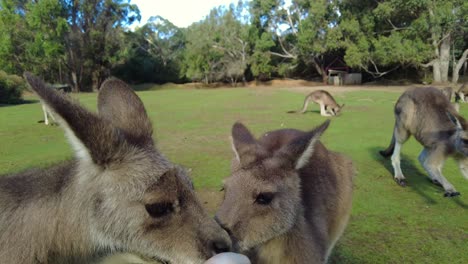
[157,210]
[264,198]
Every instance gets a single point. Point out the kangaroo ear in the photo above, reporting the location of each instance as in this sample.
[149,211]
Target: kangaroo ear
[244,145]
[119,104]
[300,150]
[342,106]
[92,138]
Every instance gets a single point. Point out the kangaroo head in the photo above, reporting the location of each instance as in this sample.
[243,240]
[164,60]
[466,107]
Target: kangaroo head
[338,108]
[130,195]
[461,134]
[262,196]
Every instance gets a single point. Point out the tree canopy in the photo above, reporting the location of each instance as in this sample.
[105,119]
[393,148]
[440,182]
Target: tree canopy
[82,42]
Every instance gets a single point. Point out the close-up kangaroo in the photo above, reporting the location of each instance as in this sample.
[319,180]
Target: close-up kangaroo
[428,115]
[119,193]
[328,105]
[288,198]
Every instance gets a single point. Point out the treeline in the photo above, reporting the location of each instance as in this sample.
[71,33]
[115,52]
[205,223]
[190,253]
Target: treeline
[82,42]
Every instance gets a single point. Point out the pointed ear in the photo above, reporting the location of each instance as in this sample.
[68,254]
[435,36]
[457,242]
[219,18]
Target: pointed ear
[299,151]
[244,144]
[119,104]
[455,120]
[92,138]
[342,106]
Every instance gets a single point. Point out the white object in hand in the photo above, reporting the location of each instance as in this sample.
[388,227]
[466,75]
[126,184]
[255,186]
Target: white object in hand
[228,258]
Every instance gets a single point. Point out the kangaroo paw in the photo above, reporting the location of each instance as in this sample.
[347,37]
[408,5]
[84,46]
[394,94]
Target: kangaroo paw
[401,182]
[451,194]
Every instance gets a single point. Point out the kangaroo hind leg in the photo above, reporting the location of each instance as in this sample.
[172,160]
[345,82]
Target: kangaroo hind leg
[401,135]
[433,160]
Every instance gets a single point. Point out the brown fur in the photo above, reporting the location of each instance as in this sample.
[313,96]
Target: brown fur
[311,190]
[119,194]
[426,114]
[328,105]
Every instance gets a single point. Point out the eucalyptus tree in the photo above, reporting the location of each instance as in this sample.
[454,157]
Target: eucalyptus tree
[393,33]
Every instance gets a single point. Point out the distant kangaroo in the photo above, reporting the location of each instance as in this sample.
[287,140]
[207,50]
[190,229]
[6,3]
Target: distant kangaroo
[288,198]
[119,194]
[328,105]
[462,93]
[47,113]
[433,120]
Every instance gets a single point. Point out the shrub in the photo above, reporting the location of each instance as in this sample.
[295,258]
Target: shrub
[11,87]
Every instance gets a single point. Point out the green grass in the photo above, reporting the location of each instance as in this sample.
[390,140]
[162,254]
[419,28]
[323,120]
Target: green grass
[389,224]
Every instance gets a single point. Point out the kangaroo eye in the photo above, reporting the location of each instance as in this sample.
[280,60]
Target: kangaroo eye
[158,210]
[264,198]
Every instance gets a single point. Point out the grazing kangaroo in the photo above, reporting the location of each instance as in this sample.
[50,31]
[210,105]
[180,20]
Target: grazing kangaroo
[328,105]
[47,113]
[288,198]
[462,93]
[428,115]
[119,194]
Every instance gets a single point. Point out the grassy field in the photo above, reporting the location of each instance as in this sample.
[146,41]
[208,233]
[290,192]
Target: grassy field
[389,224]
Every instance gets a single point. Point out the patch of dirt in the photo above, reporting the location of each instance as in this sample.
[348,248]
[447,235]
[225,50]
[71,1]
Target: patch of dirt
[210,200]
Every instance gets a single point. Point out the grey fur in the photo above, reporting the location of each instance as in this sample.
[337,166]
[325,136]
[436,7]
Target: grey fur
[99,203]
[433,120]
[311,189]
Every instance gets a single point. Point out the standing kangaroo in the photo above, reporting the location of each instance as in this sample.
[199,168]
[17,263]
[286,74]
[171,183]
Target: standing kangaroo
[328,105]
[119,194]
[288,198]
[433,120]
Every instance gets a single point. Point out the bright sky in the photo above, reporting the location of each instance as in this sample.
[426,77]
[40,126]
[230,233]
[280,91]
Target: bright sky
[181,13]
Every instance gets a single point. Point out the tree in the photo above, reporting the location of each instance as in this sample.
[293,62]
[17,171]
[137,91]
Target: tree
[393,33]
[153,53]
[304,31]
[217,47]
[96,32]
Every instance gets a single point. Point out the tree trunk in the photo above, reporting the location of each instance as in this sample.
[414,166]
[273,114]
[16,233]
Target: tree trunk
[445,59]
[320,70]
[458,66]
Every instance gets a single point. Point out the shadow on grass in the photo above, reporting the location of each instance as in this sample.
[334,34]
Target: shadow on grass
[339,256]
[20,103]
[416,180]
[299,112]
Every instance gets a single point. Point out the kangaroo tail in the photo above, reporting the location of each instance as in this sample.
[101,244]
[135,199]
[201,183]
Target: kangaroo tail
[304,107]
[389,151]
[306,103]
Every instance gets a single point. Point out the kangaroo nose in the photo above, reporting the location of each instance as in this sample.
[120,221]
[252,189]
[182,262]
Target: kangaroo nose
[220,246]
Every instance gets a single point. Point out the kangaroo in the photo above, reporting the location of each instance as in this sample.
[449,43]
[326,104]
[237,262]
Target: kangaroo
[328,105]
[47,113]
[462,93]
[288,198]
[119,193]
[428,115]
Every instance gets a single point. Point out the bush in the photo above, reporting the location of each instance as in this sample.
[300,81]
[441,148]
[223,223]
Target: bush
[11,87]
